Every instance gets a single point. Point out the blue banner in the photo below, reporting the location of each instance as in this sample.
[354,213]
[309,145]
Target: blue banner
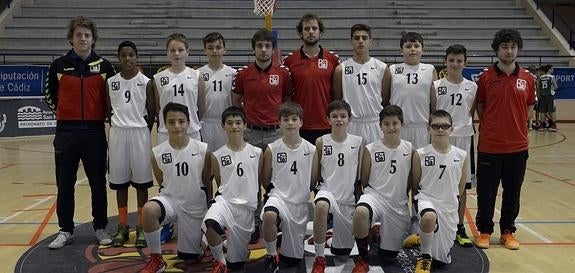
[22,80]
[565,77]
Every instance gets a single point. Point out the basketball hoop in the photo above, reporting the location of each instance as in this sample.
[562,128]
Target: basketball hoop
[264,7]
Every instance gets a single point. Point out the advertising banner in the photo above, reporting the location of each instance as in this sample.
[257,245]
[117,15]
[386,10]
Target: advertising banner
[26,117]
[22,80]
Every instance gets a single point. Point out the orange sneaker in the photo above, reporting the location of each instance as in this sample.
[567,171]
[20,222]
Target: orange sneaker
[411,241]
[361,266]
[318,265]
[509,241]
[483,240]
[155,265]
[423,264]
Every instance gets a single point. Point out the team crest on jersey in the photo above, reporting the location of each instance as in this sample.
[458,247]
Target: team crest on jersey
[521,84]
[226,160]
[95,68]
[379,156]
[282,157]
[274,80]
[166,158]
[322,63]
[398,70]
[164,81]
[206,76]
[442,90]
[348,70]
[327,150]
[429,160]
[115,86]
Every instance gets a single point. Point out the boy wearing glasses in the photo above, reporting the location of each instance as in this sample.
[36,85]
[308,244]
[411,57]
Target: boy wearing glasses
[439,173]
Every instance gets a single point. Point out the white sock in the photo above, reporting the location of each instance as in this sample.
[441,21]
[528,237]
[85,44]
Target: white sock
[153,241]
[218,253]
[319,249]
[426,240]
[271,247]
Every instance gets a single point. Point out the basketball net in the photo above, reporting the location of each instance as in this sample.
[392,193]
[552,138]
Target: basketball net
[266,8]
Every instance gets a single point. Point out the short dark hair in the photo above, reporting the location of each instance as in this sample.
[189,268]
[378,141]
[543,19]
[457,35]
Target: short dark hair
[233,111]
[177,37]
[546,68]
[212,37]
[338,105]
[308,17]
[127,44]
[262,35]
[81,21]
[440,114]
[410,37]
[360,27]
[290,108]
[391,111]
[506,35]
[175,107]
[456,49]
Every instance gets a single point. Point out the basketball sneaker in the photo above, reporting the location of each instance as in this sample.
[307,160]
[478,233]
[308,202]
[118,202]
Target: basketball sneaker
[103,237]
[483,240]
[508,240]
[272,263]
[122,236]
[167,233]
[361,266]
[411,241]
[140,238]
[156,264]
[462,239]
[318,265]
[61,240]
[423,264]
[219,268]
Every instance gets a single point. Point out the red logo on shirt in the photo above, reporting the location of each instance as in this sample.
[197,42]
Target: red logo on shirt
[274,80]
[322,63]
[521,84]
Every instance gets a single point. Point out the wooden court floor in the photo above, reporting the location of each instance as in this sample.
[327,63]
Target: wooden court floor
[546,224]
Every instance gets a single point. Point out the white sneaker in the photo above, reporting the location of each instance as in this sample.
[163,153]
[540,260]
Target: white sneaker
[61,240]
[103,237]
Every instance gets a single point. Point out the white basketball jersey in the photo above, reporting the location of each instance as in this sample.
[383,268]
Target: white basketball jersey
[339,161]
[218,90]
[410,85]
[457,99]
[239,175]
[440,176]
[390,169]
[291,171]
[361,85]
[180,88]
[182,174]
[128,99]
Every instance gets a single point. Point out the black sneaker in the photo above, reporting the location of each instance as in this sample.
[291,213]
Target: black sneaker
[272,263]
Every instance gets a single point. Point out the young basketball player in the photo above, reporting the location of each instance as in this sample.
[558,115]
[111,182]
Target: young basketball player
[385,168]
[129,141]
[182,167]
[289,173]
[439,177]
[338,156]
[236,167]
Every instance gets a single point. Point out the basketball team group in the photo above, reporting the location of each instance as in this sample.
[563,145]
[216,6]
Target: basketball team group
[368,142]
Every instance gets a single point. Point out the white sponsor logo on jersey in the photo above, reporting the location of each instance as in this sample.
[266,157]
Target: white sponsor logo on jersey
[274,80]
[322,63]
[521,84]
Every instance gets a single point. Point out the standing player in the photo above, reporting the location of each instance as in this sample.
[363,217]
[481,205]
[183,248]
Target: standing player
[439,177]
[182,167]
[547,86]
[409,86]
[338,156]
[289,173]
[456,95]
[236,167]
[179,84]
[218,79]
[132,111]
[385,171]
[359,81]
[76,92]
[505,97]
[312,68]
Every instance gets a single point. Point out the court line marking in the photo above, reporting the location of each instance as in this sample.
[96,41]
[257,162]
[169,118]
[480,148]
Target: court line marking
[7,165]
[42,226]
[551,176]
[39,202]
